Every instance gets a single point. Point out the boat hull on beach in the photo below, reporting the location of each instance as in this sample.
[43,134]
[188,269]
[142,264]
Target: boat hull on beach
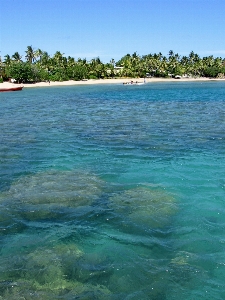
[11,89]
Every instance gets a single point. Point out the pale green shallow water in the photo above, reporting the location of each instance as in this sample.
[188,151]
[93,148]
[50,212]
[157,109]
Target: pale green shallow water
[113,192]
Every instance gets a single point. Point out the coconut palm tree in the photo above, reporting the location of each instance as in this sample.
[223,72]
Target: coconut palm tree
[171,53]
[7,60]
[16,57]
[45,59]
[70,61]
[30,54]
[38,54]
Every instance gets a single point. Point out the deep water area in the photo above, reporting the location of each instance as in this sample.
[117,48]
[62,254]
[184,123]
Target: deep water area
[113,192]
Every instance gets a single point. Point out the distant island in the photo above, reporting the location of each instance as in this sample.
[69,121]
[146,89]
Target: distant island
[39,66]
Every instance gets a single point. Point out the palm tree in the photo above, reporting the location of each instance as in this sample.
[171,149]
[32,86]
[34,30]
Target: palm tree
[16,57]
[70,61]
[38,54]
[171,53]
[45,64]
[30,54]
[58,58]
[112,62]
[7,60]
[97,68]
[191,57]
[177,56]
[45,59]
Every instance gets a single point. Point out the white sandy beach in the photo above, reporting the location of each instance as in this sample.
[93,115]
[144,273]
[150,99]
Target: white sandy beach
[103,81]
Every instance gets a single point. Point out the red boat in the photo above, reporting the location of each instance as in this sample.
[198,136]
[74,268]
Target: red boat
[11,89]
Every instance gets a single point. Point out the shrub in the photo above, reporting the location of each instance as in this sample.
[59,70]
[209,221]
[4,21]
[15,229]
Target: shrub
[93,77]
[20,71]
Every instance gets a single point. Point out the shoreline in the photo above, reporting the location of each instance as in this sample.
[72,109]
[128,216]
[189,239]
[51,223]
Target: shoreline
[105,81]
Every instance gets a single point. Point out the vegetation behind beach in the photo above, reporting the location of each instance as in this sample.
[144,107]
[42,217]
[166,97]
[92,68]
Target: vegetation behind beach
[38,66]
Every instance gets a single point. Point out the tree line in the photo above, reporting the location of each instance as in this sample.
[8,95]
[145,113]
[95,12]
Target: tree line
[40,66]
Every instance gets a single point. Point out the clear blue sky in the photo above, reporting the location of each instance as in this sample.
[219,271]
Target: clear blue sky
[113,28]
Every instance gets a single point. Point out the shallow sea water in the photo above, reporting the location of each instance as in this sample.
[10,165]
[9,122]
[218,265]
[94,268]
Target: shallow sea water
[113,192]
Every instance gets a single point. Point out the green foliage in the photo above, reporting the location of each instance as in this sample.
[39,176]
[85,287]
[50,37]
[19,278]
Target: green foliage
[1,80]
[77,72]
[93,77]
[20,71]
[212,71]
[40,66]
[30,55]
[58,76]
[42,75]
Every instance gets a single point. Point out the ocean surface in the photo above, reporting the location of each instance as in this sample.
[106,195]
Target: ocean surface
[113,192]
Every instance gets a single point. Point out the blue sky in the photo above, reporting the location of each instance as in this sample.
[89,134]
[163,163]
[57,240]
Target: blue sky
[113,28]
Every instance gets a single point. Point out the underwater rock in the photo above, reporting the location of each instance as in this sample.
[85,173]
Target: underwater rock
[93,268]
[42,265]
[185,270]
[57,187]
[143,283]
[89,292]
[144,206]
[47,194]
[44,274]
[9,224]
[23,290]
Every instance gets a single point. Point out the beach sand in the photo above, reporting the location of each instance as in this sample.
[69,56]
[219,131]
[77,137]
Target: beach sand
[103,81]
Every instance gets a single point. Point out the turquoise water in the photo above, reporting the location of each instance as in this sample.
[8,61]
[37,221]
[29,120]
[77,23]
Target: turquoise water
[113,192]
